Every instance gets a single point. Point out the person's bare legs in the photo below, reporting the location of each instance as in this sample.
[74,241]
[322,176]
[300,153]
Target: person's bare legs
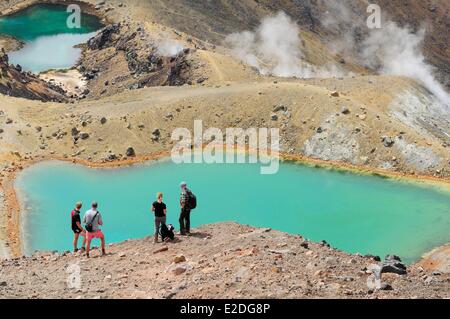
[75,242]
[83,245]
[88,247]
[103,246]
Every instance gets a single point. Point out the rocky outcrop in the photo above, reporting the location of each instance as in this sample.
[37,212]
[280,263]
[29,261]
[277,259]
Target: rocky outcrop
[132,49]
[393,264]
[104,38]
[15,82]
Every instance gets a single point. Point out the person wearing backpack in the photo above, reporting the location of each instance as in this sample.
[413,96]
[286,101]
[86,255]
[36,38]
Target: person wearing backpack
[160,210]
[93,220]
[188,201]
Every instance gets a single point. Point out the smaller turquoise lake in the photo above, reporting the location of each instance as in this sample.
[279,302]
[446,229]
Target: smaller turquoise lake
[49,41]
[355,213]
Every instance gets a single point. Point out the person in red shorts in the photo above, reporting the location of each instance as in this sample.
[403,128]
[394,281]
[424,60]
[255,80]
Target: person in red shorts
[93,220]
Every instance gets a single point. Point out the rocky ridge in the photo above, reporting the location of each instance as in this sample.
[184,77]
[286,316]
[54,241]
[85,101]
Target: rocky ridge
[15,82]
[224,260]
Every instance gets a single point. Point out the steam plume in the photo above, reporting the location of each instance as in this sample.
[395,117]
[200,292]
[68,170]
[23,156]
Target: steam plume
[275,48]
[170,48]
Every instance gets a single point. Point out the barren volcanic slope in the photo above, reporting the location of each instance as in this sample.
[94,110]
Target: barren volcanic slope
[159,65]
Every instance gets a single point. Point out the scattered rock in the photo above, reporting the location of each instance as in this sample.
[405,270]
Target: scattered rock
[178,270]
[156,134]
[159,250]
[386,286]
[130,152]
[74,132]
[393,264]
[345,111]
[179,259]
[281,107]
[335,94]
[84,135]
[304,244]
[111,157]
[387,141]
[202,79]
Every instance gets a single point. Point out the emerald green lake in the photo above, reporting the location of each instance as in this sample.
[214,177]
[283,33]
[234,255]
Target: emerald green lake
[48,40]
[355,213]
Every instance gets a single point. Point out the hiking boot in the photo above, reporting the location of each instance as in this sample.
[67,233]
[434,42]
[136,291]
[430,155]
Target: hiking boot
[103,252]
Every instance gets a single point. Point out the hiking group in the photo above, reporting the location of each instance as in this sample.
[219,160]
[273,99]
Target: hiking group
[92,221]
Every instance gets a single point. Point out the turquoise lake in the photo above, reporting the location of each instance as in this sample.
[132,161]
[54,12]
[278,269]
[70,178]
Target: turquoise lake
[48,40]
[355,213]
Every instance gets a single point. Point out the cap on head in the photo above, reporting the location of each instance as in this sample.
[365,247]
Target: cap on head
[78,205]
[183,184]
[94,204]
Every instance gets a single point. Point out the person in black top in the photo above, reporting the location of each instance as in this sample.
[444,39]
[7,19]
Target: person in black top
[160,210]
[77,228]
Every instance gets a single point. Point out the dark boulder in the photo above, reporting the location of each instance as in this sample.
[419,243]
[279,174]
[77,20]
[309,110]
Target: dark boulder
[387,141]
[105,36]
[130,152]
[393,264]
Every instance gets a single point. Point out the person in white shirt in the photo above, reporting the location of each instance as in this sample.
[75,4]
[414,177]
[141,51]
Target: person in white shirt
[93,220]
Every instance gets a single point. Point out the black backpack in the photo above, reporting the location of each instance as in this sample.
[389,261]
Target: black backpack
[89,226]
[192,200]
[165,232]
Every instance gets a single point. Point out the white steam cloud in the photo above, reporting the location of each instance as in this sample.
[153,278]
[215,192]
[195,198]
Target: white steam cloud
[170,48]
[392,50]
[275,49]
[395,50]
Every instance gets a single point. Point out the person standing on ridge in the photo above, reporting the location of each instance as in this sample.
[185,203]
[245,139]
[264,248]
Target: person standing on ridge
[160,210]
[93,220]
[77,228]
[188,201]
